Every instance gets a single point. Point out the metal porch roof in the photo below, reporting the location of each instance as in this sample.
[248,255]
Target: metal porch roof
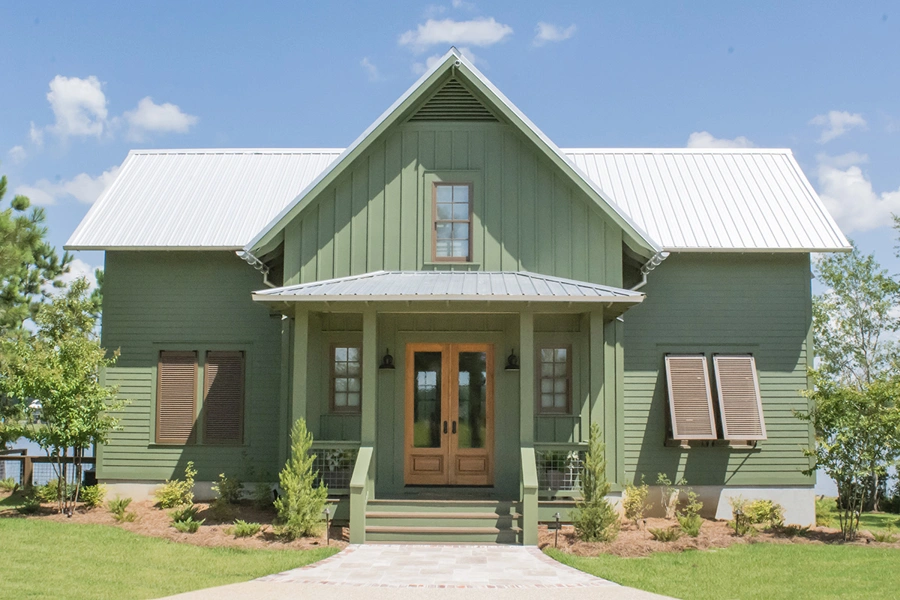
[449,285]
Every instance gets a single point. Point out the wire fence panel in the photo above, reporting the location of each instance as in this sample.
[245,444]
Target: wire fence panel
[335,466]
[559,470]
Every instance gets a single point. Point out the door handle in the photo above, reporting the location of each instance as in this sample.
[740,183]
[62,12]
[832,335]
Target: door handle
[445,427]
[454,427]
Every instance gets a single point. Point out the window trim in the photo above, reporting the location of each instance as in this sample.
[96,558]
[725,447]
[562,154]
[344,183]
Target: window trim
[539,409]
[192,438]
[332,407]
[204,391]
[435,220]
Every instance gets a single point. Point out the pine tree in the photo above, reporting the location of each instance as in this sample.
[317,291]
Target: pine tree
[302,501]
[594,517]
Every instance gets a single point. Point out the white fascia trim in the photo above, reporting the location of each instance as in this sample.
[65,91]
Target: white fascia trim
[786,151]
[263,297]
[237,151]
[155,248]
[721,250]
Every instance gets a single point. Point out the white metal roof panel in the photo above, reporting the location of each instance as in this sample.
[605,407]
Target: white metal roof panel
[449,285]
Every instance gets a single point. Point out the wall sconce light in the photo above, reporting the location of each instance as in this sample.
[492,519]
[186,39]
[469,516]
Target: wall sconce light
[512,361]
[387,361]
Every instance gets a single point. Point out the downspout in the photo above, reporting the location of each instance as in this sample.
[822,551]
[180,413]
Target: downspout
[256,264]
[649,266]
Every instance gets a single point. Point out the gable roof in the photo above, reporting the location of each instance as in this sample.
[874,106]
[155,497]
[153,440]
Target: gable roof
[452,65]
[728,200]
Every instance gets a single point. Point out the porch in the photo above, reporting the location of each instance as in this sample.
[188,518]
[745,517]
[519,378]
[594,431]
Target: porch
[463,436]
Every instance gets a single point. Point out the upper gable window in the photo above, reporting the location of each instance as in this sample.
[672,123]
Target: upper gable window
[452,222]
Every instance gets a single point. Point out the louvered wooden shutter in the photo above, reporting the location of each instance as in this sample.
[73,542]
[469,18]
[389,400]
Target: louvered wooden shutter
[223,393]
[739,400]
[690,400]
[176,397]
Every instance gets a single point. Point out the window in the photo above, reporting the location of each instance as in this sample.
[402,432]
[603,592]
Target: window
[690,400]
[555,380]
[176,390]
[346,378]
[740,405]
[223,397]
[452,222]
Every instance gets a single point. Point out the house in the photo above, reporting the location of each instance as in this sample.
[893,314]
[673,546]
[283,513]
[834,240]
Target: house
[450,302]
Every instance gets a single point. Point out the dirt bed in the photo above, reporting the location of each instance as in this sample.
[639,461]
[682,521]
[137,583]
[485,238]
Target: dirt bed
[636,542]
[152,521]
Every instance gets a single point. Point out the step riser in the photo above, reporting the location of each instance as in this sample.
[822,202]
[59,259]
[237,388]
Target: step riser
[423,507]
[504,537]
[426,521]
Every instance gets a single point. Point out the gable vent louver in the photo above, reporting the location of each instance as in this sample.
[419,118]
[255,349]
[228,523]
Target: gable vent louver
[453,102]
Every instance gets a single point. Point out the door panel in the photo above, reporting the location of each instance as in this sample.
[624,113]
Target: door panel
[449,414]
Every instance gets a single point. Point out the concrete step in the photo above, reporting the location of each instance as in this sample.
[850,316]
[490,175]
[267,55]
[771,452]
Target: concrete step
[437,534]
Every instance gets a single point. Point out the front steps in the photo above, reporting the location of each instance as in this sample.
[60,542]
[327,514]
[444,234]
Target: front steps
[444,521]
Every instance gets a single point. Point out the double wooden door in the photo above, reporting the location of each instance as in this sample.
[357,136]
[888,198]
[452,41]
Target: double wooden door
[449,432]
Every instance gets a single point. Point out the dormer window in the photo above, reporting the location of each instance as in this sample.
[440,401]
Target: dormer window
[452,222]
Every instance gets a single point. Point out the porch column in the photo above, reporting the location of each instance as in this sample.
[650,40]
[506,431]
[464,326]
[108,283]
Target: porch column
[597,370]
[526,429]
[300,376]
[369,377]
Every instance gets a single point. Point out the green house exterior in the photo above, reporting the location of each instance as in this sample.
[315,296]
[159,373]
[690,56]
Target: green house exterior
[553,262]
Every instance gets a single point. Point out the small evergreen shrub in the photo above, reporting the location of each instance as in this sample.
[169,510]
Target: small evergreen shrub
[669,493]
[764,512]
[119,509]
[187,526]
[302,502]
[791,530]
[93,496]
[594,517]
[635,502]
[229,489]
[690,524]
[185,513]
[245,529]
[50,491]
[263,496]
[884,537]
[175,492]
[824,506]
[29,506]
[8,485]
[220,511]
[665,534]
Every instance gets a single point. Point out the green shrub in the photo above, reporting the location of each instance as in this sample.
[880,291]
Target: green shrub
[824,508]
[884,537]
[764,512]
[175,492]
[188,525]
[791,530]
[50,491]
[119,507]
[262,496]
[220,511]
[594,517]
[185,513]
[244,529]
[29,506]
[302,501]
[690,524]
[635,502]
[228,488]
[669,493]
[8,485]
[93,496]
[665,534]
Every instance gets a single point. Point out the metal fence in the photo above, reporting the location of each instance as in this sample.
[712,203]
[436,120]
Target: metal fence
[559,470]
[335,463]
[37,470]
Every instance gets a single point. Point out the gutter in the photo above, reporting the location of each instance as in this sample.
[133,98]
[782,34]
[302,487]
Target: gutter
[649,266]
[257,264]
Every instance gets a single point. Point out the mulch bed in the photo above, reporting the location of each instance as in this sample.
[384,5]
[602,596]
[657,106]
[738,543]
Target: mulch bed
[154,522]
[637,542]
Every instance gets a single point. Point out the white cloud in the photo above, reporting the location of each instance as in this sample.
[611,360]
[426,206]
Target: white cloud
[462,4]
[36,135]
[17,154]
[849,196]
[371,69]
[476,32]
[82,187]
[548,32]
[79,106]
[420,67]
[150,117]
[78,268]
[704,139]
[836,123]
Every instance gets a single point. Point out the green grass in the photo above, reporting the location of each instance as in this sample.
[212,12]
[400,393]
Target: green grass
[70,560]
[867,521]
[754,571]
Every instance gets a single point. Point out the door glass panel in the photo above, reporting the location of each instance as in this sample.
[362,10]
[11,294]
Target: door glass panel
[427,400]
[472,400]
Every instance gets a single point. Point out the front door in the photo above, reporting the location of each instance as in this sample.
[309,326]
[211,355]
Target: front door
[449,414]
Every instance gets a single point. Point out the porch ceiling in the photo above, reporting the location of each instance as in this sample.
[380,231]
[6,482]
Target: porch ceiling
[464,289]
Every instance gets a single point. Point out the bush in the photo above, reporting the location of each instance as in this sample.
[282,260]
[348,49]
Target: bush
[262,496]
[791,530]
[884,537]
[301,505]
[187,526]
[29,506]
[175,492]
[93,495]
[635,502]
[221,512]
[665,534]
[50,491]
[228,488]
[594,517]
[8,485]
[118,508]
[762,512]
[186,513]
[824,506]
[244,529]
[669,493]
[690,524]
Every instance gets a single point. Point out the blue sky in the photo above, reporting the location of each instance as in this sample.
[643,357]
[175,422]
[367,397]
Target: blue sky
[85,82]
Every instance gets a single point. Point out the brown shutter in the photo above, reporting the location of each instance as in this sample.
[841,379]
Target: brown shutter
[176,397]
[223,397]
[690,400]
[739,400]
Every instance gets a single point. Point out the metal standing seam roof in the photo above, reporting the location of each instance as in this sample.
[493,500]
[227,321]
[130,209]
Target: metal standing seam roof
[449,285]
[687,199]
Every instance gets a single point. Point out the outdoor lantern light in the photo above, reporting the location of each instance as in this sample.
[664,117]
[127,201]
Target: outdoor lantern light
[387,361]
[556,535]
[738,513]
[512,361]
[327,513]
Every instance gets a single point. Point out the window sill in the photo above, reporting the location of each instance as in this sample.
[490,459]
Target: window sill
[747,446]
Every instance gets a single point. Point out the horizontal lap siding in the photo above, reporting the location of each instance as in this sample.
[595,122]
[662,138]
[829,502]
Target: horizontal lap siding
[156,301]
[726,304]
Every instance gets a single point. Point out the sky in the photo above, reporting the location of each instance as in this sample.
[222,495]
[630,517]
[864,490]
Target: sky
[86,82]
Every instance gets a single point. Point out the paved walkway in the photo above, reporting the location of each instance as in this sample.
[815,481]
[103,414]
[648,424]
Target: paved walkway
[397,572]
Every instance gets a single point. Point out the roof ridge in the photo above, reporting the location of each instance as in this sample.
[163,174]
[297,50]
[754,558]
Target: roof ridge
[175,151]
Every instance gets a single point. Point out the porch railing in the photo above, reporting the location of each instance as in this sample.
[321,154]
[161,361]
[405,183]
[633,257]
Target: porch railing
[362,489]
[335,461]
[559,468]
[28,471]
[529,498]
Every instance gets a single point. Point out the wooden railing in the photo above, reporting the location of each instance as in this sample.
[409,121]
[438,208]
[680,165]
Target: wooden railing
[362,488]
[27,463]
[529,498]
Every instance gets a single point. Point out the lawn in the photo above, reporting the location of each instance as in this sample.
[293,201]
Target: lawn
[769,571]
[867,521]
[68,560]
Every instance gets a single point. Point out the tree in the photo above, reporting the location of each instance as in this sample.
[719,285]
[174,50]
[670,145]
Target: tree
[303,500]
[857,435]
[594,517]
[56,375]
[29,265]
[854,317]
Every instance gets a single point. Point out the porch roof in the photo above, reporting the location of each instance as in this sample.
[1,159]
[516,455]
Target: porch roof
[510,286]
